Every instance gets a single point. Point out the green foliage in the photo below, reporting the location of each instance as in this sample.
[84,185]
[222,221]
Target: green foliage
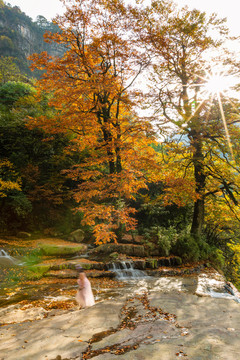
[35,161]
[190,249]
[9,179]
[152,212]
[20,205]
[32,258]
[170,241]
[217,258]
[9,70]
[69,221]
[164,238]
[186,247]
[6,44]
[36,272]
[26,270]
[13,91]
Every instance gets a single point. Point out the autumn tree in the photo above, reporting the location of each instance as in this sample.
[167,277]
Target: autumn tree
[9,179]
[91,93]
[9,70]
[197,161]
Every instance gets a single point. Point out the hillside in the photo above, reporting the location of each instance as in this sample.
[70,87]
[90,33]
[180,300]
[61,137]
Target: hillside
[20,36]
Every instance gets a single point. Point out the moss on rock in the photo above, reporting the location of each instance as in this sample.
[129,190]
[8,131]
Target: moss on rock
[128,249]
[152,263]
[60,250]
[36,272]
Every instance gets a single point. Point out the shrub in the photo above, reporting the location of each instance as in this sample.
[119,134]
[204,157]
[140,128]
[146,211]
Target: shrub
[186,247]
[163,238]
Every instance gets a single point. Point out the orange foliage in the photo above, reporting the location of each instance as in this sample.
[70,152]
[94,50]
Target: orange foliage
[90,94]
[9,180]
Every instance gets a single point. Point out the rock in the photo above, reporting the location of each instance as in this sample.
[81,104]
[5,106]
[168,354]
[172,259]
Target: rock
[204,328]
[139,264]
[114,255]
[128,249]
[37,271]
[152,263]
[129,239]
[100,274]
[134,325]
[170,261]
[71,264]
[13,314]
[155,252]
[164,262]
[175,261]
[61,250]
[77,236]
[23,235]
[62,274]
[73,274]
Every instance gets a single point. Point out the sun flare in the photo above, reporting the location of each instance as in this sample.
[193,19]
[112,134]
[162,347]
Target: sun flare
[217,83]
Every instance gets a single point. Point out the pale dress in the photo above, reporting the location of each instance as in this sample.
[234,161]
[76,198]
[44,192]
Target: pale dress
[84,294]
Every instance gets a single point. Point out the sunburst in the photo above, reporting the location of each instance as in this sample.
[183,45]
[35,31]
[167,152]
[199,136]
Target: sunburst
[215,85]
[218,83]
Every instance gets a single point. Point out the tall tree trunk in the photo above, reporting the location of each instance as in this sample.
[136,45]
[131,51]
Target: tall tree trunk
[104,119]
[200,181]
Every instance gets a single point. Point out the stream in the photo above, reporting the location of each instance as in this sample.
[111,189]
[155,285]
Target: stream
[128,280]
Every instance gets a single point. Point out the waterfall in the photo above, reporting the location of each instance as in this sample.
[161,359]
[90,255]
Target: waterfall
[126,270]
[6,259]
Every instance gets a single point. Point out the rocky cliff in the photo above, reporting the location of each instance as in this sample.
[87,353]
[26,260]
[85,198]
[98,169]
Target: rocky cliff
[20,36]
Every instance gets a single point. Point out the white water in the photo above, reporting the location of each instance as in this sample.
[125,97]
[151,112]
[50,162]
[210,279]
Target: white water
[216,287]
[125,270]
[6,259]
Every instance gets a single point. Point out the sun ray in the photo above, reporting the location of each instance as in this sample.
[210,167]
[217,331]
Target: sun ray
[195,110]
[216,84]
[225,125]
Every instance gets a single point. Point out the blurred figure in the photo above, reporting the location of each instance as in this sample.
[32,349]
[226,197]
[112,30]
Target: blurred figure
[84,296]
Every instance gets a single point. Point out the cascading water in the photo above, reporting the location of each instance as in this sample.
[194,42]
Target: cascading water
[126,270]
[216,288]
[6,259]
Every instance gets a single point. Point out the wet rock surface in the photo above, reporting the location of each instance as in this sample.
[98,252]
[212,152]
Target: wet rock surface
[169,312]
[159,318]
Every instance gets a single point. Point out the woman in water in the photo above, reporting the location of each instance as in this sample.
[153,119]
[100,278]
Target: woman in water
[84,294]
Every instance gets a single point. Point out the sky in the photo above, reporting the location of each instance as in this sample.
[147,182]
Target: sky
[224,8]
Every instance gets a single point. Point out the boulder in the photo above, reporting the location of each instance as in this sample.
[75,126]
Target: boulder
[61,250]
[128,249]
[139,264]
[23,235]
[152,263]
[132,239]
[77,236]
[71,264]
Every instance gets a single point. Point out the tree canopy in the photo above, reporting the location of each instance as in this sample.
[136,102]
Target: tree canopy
[91,93]
[186,53]
[130,122]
